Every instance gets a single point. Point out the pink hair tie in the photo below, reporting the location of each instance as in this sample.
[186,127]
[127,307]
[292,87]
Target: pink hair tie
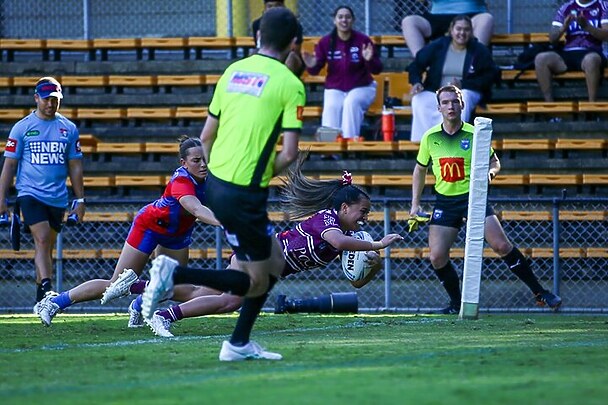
[347,178]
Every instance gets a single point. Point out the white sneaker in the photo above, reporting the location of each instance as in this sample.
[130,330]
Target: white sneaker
[159,325]
[47,309]
[136,320]
[160,286]
[36,308]
[251,351]
[120,286]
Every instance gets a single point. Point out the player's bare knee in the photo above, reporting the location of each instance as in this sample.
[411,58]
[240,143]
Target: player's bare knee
[502,248]
[591,63]
[438,260]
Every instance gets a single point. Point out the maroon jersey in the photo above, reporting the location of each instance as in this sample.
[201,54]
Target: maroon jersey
[577,38]
[304,247]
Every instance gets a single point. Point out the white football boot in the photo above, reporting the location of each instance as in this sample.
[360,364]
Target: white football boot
[160,286]
[47,309]
[251,351]
[119,287]
[159,325]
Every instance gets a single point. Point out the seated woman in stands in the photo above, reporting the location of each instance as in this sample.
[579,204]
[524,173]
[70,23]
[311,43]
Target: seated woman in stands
[417,29]
[166,223]
[349,86]
[458,59]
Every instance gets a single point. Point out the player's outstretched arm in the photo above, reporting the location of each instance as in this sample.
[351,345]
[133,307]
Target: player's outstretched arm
[201,212]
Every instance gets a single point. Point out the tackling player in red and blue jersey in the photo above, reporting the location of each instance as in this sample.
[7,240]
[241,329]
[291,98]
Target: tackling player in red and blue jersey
[165,225]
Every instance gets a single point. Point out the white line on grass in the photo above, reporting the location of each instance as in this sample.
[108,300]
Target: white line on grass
[123,343]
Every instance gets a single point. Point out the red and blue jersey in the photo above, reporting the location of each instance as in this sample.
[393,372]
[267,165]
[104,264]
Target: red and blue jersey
[166,215]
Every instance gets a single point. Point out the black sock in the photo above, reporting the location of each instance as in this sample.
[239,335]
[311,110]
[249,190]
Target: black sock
[42,288]
[249,312]
[450,281]
[39,293]
[230,281]
[519,265]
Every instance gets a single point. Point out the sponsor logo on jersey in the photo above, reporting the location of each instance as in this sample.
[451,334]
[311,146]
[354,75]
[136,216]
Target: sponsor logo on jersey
[47,153]
[11,145]
[78,148]
[300,113]
[247,83]
[33,132]
[452,169]
[354,54]
[329,220]
[335,55]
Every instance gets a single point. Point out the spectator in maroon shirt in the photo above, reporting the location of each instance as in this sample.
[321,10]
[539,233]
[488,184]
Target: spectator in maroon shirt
[351,60]
[584,23]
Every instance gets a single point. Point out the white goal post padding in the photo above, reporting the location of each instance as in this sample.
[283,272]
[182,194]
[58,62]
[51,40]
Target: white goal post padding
[478,192]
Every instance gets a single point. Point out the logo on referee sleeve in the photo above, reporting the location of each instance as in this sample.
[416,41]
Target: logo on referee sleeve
[300,113]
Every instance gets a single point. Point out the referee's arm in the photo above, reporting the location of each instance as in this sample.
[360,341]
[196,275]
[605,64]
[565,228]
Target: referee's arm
[288,153]
[208,135]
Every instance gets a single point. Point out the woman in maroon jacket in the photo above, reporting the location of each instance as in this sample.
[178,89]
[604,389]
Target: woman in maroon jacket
[349,86]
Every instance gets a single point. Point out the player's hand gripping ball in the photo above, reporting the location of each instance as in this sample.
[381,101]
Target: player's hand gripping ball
[357,265]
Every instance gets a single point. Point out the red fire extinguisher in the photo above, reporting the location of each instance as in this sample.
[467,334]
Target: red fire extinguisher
[388,124]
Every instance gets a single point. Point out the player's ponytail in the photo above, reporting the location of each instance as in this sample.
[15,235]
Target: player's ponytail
[302,196]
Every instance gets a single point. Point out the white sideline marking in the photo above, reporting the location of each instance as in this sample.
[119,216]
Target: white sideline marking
[123,343]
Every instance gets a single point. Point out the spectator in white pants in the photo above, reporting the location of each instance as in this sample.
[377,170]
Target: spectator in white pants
[426,115]
[345,109]
[459,60]
[349,86]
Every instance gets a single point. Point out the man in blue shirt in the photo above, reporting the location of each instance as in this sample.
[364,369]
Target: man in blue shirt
[42,149]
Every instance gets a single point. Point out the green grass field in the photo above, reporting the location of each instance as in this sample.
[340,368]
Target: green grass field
[362,359]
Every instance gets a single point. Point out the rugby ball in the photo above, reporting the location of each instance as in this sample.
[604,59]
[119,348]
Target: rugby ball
[355,265]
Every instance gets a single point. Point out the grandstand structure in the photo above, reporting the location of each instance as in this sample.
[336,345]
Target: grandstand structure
[132,96]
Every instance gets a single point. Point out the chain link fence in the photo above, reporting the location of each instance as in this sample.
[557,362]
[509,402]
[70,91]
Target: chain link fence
[407,284]
[78,19]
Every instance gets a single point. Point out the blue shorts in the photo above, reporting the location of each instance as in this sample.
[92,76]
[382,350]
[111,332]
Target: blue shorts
[452,211]
[146,240]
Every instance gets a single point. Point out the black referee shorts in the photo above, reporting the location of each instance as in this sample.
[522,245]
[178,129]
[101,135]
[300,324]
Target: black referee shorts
[242,211]
[451,211]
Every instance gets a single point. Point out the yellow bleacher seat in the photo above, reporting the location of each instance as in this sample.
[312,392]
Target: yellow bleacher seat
[191,112]
[212,42]
[120,147]
[180,80]
[101,113]
[528,144]
[84,81]
[554,179]
[371,146]
[161,147]
[144,80]
[151,112]
[149,180]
